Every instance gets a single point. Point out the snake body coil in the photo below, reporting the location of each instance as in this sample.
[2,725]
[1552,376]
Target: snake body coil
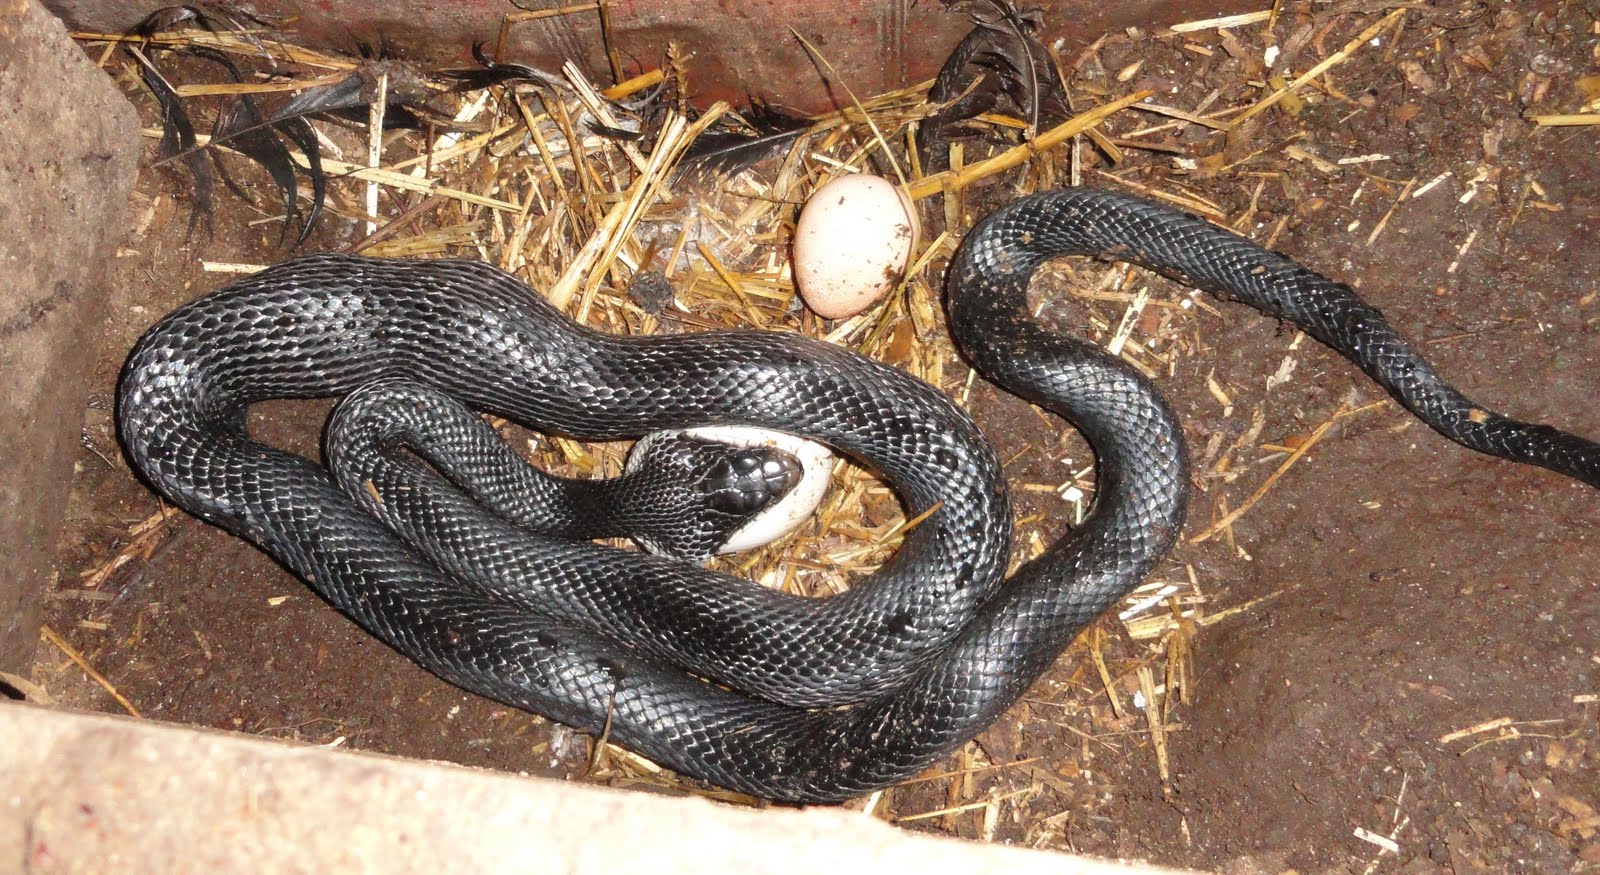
[925,653]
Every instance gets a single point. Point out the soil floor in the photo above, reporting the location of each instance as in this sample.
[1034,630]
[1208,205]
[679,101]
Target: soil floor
[1424,669]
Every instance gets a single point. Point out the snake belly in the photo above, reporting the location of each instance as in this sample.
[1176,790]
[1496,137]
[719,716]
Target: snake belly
[788,699]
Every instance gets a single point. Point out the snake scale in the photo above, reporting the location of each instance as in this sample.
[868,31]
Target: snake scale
[761,692]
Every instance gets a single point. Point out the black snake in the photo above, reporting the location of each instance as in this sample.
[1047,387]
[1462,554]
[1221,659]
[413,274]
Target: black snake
[911,662]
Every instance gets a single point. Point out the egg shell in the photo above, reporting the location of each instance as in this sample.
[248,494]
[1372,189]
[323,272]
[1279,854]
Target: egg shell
[852,244]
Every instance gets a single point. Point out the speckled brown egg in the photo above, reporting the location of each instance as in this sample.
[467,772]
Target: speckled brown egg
[852,244]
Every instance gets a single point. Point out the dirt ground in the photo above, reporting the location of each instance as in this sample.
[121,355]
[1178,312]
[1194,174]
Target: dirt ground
[1416,659]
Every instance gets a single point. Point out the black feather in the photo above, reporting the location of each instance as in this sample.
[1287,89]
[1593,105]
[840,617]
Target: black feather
[341,95]
[1000,60]
[178,140]
[239,124]
[207,16]
[299,132]
[495,73]
[396,117]
[626,135]
[492,73]
[1015,53]
[721,150]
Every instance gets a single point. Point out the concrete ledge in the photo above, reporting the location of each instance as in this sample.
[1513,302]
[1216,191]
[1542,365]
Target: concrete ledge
[81,792]
[68,149]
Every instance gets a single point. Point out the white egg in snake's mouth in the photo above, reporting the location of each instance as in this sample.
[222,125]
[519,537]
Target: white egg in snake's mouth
[798,505]
[852,244]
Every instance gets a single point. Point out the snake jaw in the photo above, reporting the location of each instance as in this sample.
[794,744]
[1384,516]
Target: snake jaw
[796,504]
[749,479]
[696,493]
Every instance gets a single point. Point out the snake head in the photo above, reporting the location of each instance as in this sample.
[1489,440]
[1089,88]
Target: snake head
[699,494]
[744,481]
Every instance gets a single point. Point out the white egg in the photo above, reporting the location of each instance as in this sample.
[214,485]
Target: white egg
[852,244]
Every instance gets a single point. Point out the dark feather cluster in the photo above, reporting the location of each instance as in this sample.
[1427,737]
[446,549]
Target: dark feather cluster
[239,124]
[268,133]
[1001,62]
[267,137]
